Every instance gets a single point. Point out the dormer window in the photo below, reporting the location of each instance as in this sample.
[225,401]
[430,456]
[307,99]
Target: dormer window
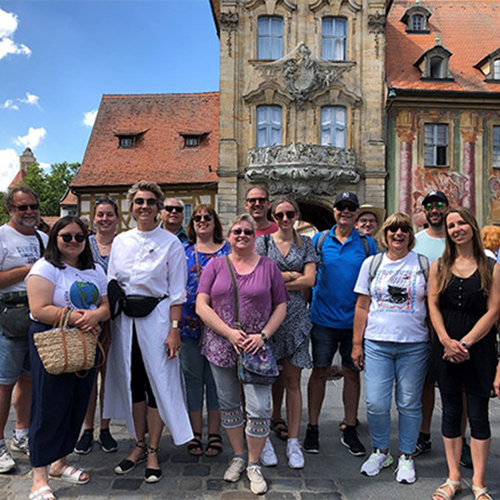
[490,67]
[129,139]
[434,64]
[193,139]
[416,19]
[126,142]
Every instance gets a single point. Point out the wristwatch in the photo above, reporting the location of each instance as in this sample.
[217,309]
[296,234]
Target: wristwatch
[263,336]
[174,323]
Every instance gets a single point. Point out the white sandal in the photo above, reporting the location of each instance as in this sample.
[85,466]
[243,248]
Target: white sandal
[43,493]
[455,488]
[71,477]
[479,492]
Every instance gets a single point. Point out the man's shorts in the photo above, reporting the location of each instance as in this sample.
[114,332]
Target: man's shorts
[14,359]
[325,342]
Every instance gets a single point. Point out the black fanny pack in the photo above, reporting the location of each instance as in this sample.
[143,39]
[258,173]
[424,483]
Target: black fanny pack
[134,305]
[14,315]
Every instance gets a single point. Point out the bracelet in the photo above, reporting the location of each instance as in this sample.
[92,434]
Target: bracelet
[263,336]
[174,323]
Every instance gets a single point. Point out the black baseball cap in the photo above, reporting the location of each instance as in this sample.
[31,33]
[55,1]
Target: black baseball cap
[346,196]
[438,195]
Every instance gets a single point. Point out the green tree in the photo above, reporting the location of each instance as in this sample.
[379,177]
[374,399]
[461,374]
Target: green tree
[4,216]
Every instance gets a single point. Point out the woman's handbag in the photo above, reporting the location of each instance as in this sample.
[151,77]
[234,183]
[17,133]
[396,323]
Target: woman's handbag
[66,350]
[14,315]
[259,368]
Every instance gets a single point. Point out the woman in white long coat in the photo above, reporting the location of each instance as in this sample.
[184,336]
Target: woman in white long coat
[143,381]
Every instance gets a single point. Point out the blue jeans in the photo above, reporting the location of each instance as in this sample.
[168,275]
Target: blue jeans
[14,359]
[403,365]
[197,377]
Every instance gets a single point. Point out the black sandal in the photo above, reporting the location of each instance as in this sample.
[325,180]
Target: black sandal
[280,429]
[213,440]
[127,465]
[343,425]
[195,446]
[152,475]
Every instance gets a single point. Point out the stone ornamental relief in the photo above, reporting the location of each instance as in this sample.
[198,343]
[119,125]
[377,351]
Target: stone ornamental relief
[303,75]
[302,169]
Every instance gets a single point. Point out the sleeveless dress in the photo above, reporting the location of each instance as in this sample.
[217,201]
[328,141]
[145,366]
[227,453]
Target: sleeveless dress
[462,303]
[291,340]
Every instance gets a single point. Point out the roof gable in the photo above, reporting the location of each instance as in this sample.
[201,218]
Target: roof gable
[158,122]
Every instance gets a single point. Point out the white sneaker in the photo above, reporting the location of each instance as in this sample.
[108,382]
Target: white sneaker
[233,472]
[405,472]
[376,462]
[294,454]
[258,484]
[6,461]
[268,456]
[21,445]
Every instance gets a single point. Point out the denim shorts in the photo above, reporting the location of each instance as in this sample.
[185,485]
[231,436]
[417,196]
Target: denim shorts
[14,359]
[325,342]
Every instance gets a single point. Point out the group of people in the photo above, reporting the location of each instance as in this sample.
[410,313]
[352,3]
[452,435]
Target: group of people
[186,303]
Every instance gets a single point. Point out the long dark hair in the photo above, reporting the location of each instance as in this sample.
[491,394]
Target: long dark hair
[218,236]
[52,253]
[450,253]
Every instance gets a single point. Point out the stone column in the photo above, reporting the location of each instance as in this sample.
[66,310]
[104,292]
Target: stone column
[406,133]
[469,131]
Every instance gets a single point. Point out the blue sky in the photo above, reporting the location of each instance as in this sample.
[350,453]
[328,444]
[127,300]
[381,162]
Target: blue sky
[58,57]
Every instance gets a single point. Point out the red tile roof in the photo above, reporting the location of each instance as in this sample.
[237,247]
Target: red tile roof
[470,29]
[158,154]
[69,199]
[19,177]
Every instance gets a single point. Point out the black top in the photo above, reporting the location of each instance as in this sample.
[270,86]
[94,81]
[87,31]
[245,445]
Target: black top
[462,303]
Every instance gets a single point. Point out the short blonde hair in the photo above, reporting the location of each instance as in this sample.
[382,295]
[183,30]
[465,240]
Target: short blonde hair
[399,219]
[152,187]
[242,218]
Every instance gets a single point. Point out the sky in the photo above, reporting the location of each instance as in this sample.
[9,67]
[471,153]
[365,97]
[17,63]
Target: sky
[58,57]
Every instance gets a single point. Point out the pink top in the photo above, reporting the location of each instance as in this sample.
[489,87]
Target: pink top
[269,230]
[259,293]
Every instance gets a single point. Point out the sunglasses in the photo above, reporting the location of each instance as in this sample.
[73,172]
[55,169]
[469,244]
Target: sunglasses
[342,206]
[253,201]
[394,228]
[150,202]
[437,204]
[281,215]
[205,217]
[237,232]
[23,208]
[67,237]
[173,208]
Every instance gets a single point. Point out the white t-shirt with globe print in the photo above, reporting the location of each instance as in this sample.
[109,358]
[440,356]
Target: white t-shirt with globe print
[75,288]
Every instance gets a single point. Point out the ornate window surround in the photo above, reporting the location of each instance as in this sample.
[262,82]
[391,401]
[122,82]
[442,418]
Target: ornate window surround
[494,165]
[424,63]
[348,38]
[417,10]
[436,120]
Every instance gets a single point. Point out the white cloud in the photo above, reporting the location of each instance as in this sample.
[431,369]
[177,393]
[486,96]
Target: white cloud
[8,26]
[30,99]
[89,118]
[9,166]
[32,139]
[9,104]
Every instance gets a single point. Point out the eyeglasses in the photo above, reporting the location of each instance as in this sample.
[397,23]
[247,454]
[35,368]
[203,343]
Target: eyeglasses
[281,215]
[205,217]
[342,206]
[173,208]
[394,228]
[150,202]
[436,204]
[23,208]
[67,237]
[253,201]
[237,232]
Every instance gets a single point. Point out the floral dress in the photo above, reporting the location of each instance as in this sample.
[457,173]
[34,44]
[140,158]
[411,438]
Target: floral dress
[291,340]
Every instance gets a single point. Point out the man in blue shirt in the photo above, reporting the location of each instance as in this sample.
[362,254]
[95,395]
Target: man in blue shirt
[332,314]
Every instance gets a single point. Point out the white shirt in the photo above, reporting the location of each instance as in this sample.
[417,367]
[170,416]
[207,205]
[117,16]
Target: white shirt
[18,250]
[397,309]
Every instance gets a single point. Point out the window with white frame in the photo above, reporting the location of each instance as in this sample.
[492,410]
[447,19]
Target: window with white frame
[496,69]
[436,145]
[269,126]
[270,37]
[334,39]
[496,146]
[188,211]
[333,126]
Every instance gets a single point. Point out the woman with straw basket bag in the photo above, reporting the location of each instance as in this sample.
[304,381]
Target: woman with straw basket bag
[65,288]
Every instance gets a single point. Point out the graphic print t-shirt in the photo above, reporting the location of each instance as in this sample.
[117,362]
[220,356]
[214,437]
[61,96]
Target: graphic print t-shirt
[398,306]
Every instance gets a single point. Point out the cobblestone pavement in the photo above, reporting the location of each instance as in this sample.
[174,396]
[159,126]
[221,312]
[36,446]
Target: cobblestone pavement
[332,474]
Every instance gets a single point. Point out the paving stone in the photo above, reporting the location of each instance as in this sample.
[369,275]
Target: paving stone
[324,496]
[321,484]
[286,484]
[189,483]
[277,495]
[127,483]
[184,458]
[219,485]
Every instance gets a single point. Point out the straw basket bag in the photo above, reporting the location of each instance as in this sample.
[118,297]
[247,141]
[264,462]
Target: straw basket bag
[66,350]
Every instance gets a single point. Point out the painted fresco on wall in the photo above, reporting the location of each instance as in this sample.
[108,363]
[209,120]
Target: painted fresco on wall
[453,184]
[494,198]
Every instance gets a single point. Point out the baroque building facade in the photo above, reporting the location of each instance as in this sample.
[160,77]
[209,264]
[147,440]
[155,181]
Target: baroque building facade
[302,101]
[443,109]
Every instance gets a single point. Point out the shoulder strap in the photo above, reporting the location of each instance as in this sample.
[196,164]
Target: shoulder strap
[374,265]
[365,243]
[266,242]
[423,262]
[40,243]
[320,242]
[235,293]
